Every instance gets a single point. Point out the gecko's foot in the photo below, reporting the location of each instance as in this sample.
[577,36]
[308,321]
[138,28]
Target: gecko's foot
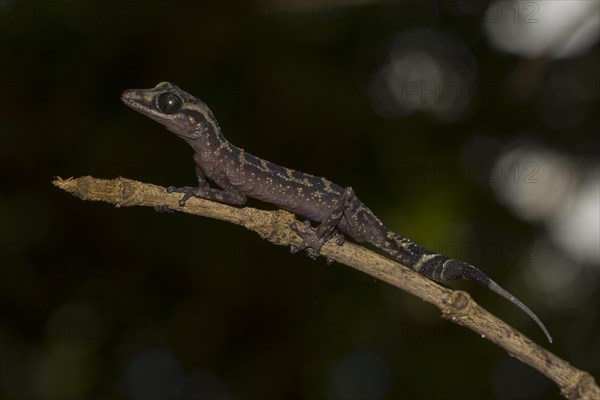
[311,242]
[163,209]
[188,191]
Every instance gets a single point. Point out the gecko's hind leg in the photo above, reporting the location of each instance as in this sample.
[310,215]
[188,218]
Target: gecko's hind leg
[311,242]
[313,239]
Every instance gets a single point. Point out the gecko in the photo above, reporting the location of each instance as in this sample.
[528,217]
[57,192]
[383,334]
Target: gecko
[337,210]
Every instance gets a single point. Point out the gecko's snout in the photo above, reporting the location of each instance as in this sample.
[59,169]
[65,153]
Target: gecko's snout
[127,96]
[135,99]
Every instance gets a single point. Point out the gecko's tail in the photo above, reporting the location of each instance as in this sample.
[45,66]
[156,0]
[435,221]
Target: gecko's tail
[439,268]
[456,269]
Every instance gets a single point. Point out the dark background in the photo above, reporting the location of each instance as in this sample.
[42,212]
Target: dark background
[99,302]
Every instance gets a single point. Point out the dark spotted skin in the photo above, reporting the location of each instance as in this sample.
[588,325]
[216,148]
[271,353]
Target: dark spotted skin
[239,175]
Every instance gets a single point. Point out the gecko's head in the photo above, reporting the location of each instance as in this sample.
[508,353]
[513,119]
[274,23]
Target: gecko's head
[180,112]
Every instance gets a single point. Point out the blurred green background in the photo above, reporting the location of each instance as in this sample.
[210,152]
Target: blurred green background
[451,138]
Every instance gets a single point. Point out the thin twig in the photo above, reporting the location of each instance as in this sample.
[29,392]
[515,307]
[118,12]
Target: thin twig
[457,306]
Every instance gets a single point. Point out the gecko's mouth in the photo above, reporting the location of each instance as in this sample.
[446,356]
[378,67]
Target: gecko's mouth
[131,98]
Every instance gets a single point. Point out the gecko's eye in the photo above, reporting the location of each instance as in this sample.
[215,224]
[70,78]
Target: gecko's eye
[168,103]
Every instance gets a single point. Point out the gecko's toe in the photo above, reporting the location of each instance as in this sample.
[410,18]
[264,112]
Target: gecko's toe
[184,199]
[163,208]
[312,253]
[295,229]
[340,239]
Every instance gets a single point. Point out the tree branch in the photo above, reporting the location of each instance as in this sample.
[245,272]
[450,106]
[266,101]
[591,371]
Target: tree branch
[274,226]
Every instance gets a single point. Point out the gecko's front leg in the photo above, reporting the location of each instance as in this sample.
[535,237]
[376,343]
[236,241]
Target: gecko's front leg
[234,198]
[313,239]
[228,194]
